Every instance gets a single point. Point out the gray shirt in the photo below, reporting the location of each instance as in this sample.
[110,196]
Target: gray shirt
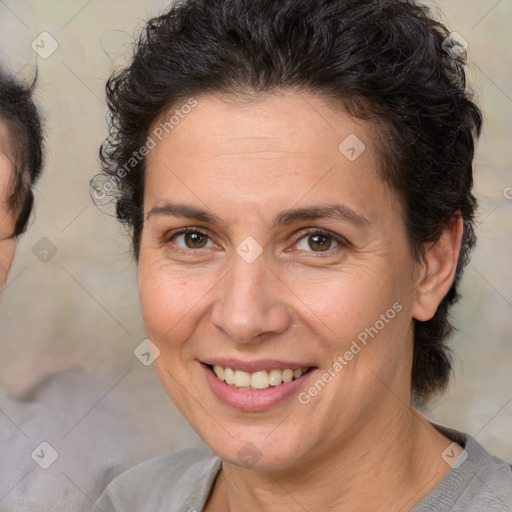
[181,482]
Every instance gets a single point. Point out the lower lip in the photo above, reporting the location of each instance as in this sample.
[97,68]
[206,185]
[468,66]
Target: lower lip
[257,400]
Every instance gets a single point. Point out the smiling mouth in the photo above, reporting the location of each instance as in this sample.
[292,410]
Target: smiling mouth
[259,380]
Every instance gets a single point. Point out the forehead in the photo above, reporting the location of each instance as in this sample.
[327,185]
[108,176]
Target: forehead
[6,168]
[5,144]
[227,126]
[285,148]
[6,215]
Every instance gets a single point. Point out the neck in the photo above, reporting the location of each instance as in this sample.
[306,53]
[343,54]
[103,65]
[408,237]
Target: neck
[388,467]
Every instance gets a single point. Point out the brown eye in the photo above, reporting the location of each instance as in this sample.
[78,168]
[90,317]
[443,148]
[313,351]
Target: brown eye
[191,240]
[317,242]
[195,240]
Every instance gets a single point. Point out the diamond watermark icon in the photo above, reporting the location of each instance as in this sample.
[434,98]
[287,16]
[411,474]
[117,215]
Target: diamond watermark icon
[44,250]
[454,455]
[455,45]
[44,45]
[45,455]
[352,147]
[146,352]
[249,455]
[249,249]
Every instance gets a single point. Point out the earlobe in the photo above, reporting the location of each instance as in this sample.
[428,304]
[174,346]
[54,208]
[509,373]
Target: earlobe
[439,264]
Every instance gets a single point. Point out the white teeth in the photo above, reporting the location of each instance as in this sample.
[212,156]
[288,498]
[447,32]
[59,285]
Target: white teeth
[298,373]
[242,379]
[275,377]
[287,375]
[219,371]
[229,375]
[257,380]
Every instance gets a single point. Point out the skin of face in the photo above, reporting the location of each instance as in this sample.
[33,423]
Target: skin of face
[7,221]
[247,163]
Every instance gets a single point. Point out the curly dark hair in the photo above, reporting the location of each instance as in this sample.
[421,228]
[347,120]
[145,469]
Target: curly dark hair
[388,62]
[25,145]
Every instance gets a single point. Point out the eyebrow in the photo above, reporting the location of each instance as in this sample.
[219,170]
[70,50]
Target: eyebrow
[187,211]
[331,211]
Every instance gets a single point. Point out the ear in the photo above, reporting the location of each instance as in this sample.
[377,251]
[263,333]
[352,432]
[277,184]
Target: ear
[438,266]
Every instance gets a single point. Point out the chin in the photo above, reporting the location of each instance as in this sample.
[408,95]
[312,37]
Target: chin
[257,452]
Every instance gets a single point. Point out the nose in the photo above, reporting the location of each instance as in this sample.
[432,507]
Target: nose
[250,304]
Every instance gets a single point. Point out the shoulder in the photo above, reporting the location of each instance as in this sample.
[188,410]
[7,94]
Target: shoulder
[490,486]
[477,482]
[167,482]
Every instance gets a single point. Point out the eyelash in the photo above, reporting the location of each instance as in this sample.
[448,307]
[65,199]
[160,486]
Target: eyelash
[170,236]
[342,242]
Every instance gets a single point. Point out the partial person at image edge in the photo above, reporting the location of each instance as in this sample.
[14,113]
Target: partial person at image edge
[21,163]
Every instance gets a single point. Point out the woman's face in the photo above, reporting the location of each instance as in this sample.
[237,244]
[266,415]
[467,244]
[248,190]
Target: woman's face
[7,243]
[294,257]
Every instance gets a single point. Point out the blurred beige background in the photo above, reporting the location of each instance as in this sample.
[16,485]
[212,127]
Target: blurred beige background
[69,325]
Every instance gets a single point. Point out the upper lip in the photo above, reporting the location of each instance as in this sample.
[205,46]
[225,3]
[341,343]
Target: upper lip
[254,366]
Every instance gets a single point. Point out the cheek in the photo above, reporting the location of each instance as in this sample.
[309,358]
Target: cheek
[346,301]
[170,302]
[7,250]
[362,317]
